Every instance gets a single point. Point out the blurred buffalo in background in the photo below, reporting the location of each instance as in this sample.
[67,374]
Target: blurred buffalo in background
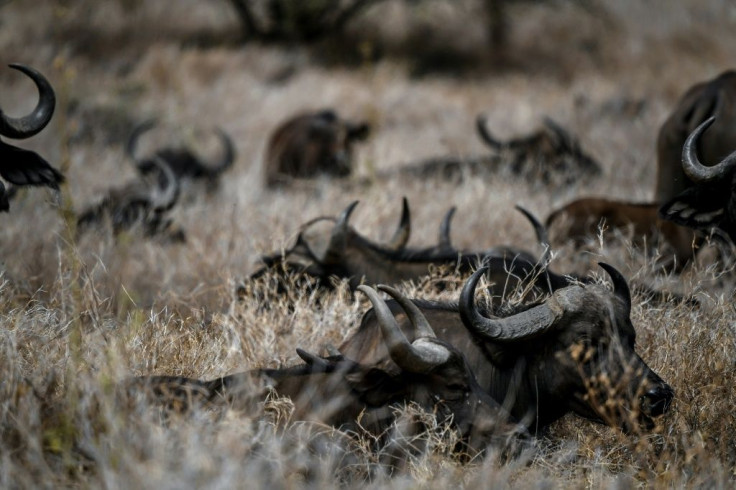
[184,162]
[312,144]
[23,167]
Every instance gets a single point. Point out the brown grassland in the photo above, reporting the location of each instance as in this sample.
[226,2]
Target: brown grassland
[77,318]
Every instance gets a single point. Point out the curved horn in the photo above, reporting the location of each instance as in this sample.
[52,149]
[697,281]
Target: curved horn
[620,286]
[542,236]
[527,324]
[444,239]
[132,144]
[228,156]
[405,355]
[416,317]
[696,171]
[27,126]
[312,360]
[339,235]
[402,233]
[165,200]
[485,134]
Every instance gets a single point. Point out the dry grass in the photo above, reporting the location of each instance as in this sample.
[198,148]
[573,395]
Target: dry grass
[78,318]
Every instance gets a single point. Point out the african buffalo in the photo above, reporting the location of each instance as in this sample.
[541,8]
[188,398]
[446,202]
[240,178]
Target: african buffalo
[361,397]
[573,352]
[712,98]
[711,201]
[138,203]
[311,144]
[343,253]
[674,194]
[548,157]
[183,161]
[23,167]
[585,218]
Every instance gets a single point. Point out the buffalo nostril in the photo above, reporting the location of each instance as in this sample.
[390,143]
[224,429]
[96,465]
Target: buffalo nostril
[657,400]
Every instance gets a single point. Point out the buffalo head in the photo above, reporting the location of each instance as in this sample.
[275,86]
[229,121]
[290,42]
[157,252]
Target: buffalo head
[576,350]
[23,167]
[710,203]
[712,98]
[183,161]
[311,144]
[572,352]
[549,156]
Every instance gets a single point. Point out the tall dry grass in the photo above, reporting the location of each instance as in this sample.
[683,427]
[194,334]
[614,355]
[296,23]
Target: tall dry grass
[79,318]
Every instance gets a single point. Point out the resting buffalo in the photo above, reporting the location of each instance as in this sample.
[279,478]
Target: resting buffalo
[138,203]
[712,98]
[550,156]
[312,144]
[343,253]
[573,352]
[23,167]
[184,162]
[583,219]
[711,201]
[676,182]
[361,397]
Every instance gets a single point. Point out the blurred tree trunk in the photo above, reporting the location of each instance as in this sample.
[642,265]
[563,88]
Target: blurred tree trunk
[249,27]
[302,20]
[497,22]
[351,11]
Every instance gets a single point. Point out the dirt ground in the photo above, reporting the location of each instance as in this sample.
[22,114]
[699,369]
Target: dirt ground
[80,316]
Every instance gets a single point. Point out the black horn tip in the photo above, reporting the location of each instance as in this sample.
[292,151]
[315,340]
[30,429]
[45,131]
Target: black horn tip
[539,229]
[25,69]
[307,357]
[620,285]
[706,124]
[365,289]
[405,220]
[692,138]
[445,228]
[468,292]
[482,127]
[338,238]
[132,144]
[345,216]
[405,211]
[533,219]
[612,271]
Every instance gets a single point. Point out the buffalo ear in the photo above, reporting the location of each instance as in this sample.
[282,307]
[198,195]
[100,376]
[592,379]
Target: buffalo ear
[25,167]
[374,386]
[695,208]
